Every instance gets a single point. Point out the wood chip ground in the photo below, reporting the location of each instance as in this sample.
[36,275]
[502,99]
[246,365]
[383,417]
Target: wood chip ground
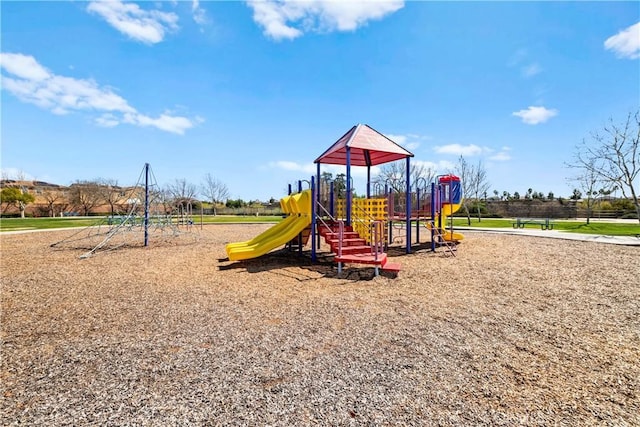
[514,330]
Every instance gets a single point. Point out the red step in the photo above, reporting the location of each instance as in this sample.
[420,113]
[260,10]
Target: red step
[370,259]
[392,266]
[363,249]
[347,242]
[362,259]
[322,229]
[346,235]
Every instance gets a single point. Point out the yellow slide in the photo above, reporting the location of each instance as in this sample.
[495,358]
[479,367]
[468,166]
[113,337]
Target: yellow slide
[449,209]
[298,206]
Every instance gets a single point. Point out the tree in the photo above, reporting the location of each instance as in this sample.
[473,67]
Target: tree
[577,194]
[109,192]
[529,194]
[588,181]
[614,156]
[214,190]
[326,178]
[394,175]
[18,197]
[235,204]
[182,193]
[53,198]
[85,195]
[550,196]
[473,179]
[340,186]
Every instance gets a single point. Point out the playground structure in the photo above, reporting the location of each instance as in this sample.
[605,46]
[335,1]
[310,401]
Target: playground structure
[148,218]
[360,230]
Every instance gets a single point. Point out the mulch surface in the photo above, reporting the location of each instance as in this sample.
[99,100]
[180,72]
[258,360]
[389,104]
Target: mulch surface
[514,330]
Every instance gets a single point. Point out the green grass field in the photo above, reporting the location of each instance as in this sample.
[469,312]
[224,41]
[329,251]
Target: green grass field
[15,224]
[605,228]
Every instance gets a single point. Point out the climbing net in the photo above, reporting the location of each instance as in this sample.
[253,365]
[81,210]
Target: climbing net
[151,219]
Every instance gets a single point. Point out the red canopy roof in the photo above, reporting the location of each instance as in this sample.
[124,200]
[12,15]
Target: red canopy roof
[368,147]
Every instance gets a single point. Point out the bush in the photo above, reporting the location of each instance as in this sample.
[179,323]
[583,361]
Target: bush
[622,204]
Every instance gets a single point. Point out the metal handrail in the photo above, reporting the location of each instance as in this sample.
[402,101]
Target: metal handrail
[371,220]
[327,214]
[377,244]
[340,230]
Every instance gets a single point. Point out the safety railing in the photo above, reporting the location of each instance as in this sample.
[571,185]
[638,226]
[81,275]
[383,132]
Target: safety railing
[362,222]
[377,243]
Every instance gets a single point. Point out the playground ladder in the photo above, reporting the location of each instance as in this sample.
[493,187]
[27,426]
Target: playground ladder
[438,233]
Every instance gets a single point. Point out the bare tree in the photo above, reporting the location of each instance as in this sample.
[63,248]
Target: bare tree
[214,190]
[109,192]
[614,156]
[19,175]
[53,198]
[182,192]
[394,175]
[474,182]
[85,195]
[589,181]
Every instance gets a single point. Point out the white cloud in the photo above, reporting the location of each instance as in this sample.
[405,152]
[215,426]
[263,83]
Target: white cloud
[442,166]
[531,70]
[502,156]
[24,67]
[199,14]
[282,19]
[399,139]
[535,115]
[107,121]
[146,26]
[32,83]
[308,168]
[165,122]
[459,150]
[625,44]
[521,60]
[518,57]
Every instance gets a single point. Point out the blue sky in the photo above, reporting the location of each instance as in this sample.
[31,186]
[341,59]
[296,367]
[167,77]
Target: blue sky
[253,92]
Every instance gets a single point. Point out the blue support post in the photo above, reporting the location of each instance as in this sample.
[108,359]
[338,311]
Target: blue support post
[433,216]
[441,194]
[146,204]
[390,209]
[368,182]
[418,220]
[313,218]
[289,193]
[318,191]
[408,203]
[348,186]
